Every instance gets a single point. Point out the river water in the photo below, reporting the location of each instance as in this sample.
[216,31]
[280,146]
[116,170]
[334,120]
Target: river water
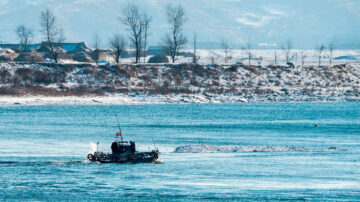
[43,152]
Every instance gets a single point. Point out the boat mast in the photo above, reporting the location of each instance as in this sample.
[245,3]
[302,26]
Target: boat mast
[117,120]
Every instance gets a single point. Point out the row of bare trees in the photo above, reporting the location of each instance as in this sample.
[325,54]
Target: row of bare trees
[320,49]
[53,33]
[287,50]
[137,25]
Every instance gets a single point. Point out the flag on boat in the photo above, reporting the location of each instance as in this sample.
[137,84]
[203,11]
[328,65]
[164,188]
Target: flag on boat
[118,134]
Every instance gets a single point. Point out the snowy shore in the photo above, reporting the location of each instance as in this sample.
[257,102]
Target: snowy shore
[118,100]
[86,84]
[153,99]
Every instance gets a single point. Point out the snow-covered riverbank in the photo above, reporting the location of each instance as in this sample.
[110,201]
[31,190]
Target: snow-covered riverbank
[118,100]
[155,99]
[86,84]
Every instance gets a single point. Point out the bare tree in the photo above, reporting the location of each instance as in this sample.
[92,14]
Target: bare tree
[227,51]
[2,39]
[117,44]
[96,45]
[24,34]
[320,49]
[275,57]
[146,27]
[96,41]
[212,57]
[248,49]
[133,19]
[240,55]
[61,37]
[287,49]
[303,57]
[331,48]
[259,60]
[195,57]
[175,40]
[53,33]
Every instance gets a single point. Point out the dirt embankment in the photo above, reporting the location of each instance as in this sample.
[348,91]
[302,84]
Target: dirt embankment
[255,83]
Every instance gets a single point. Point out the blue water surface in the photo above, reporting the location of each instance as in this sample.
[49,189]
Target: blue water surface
[43,152]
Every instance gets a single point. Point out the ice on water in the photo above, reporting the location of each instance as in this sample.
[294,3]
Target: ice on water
[206,148]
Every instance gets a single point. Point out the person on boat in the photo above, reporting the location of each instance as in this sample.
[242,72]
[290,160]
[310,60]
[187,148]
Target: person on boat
[132,147]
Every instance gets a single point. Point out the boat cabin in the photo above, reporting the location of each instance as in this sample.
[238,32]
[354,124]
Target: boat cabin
[121,147]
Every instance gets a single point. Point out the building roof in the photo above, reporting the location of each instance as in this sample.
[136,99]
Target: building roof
[156,48]
[69,47]
[17,46]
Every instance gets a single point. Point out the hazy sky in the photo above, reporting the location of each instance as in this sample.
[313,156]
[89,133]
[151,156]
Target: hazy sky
[307,23]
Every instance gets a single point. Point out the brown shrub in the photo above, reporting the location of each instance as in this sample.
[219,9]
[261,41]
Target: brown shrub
[4,76]
[21,90]
[155,70]
[146,78]
[23,76]
[194,82]
[42,77]
[233,68]
[8,91]
[164,90]
[5,58]
[31,57]
[88,70]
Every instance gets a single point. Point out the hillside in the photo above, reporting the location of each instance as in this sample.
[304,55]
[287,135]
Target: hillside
[184,82]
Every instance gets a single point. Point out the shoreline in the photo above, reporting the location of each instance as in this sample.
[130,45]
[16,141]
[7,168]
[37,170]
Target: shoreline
[142,99]
[119,99]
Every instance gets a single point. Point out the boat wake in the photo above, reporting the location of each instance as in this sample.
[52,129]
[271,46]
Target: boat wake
[67,162]
[206,148]
[39,163]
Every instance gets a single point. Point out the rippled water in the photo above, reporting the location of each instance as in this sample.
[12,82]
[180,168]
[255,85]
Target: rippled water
[43,152]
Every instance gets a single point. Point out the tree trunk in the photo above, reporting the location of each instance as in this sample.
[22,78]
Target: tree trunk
[137,51]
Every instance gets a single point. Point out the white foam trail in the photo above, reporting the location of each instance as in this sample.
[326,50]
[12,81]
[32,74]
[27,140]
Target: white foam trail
[236,148]
[92,147]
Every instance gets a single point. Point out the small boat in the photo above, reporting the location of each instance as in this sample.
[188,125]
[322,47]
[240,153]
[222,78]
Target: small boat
[124,152]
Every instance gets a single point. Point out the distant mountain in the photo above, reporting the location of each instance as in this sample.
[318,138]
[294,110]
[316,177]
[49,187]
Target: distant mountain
[264,23]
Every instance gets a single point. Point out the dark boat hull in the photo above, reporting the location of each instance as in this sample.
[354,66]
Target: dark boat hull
[137,157]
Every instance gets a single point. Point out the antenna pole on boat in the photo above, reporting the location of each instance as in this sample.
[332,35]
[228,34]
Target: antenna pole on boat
[117,120]
[153,143]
